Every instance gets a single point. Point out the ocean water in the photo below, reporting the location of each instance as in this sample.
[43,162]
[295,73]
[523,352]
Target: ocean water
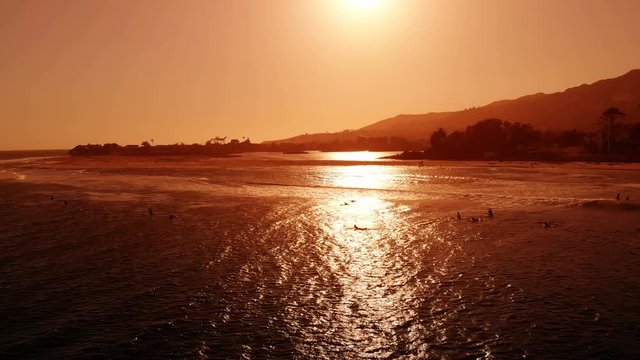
[263,260]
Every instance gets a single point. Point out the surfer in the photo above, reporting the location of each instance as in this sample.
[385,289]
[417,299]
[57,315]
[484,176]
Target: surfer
[66,202]
[171,217]
[490,213]
[150,211]
[356,227]
[458,217]
[474,219]
[549,224]
[618,197]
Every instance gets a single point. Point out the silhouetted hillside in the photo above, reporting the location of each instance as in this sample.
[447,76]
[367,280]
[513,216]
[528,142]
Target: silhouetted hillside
[577,107]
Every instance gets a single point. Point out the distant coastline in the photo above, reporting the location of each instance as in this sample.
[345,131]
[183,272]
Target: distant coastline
[490,139]
[495,139]
[211,148]
[578,107]
[220,148]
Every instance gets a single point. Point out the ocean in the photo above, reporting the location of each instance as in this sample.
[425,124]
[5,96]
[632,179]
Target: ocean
[317,256]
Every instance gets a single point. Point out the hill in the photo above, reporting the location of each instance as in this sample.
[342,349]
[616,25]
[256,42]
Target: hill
[577,107]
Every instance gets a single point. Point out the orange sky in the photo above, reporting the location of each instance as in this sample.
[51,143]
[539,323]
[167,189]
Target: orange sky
[84,71]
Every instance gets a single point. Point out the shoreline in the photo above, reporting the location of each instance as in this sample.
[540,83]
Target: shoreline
[557,158]
[132,162]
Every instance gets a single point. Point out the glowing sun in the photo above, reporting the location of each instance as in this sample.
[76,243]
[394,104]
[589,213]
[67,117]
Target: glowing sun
[363,4]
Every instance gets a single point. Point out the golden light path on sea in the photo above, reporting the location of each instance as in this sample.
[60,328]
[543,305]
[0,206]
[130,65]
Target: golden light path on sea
[365,232]
[352,156]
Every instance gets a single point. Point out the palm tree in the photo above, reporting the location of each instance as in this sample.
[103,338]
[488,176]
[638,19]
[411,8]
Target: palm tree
[219,140]
[607,120]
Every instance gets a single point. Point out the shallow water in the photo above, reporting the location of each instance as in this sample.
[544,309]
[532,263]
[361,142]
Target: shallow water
[263,260]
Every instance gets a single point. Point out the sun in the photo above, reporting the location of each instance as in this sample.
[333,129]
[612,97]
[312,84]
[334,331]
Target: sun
[362,10]
[363,4]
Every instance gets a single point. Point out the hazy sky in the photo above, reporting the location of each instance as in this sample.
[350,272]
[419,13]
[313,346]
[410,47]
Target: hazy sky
[84,71]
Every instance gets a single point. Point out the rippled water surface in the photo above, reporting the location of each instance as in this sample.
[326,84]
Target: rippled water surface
[317,256]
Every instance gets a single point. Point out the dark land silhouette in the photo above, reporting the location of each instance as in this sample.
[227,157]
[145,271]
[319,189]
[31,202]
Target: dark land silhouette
[593,122]
[575,108]
[216,147]
[495,139]
[234,147]
[490,139]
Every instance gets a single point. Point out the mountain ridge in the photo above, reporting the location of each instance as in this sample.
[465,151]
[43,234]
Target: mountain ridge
[576,107]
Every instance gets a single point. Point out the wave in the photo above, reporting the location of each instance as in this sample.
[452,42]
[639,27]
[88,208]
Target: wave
[14,174]
[611,204]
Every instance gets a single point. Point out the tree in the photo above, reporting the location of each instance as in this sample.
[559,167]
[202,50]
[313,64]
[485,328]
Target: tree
[145,144]
[573,137]
[487,136]
[454,145]
[522,136]
[607,121]
[437,138]
[634,136]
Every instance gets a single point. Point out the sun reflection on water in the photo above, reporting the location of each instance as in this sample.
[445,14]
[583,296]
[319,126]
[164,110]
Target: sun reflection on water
[353,156]
[363,231]
[362,176]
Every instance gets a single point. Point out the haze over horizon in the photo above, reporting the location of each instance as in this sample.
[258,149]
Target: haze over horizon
[76,72]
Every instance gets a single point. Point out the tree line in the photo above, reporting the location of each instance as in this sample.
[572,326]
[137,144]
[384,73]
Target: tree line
[498,139]
[219,146]
[486,139]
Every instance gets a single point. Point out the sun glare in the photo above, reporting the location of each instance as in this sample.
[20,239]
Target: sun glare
[362,14]
[353,156]
[363,4]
